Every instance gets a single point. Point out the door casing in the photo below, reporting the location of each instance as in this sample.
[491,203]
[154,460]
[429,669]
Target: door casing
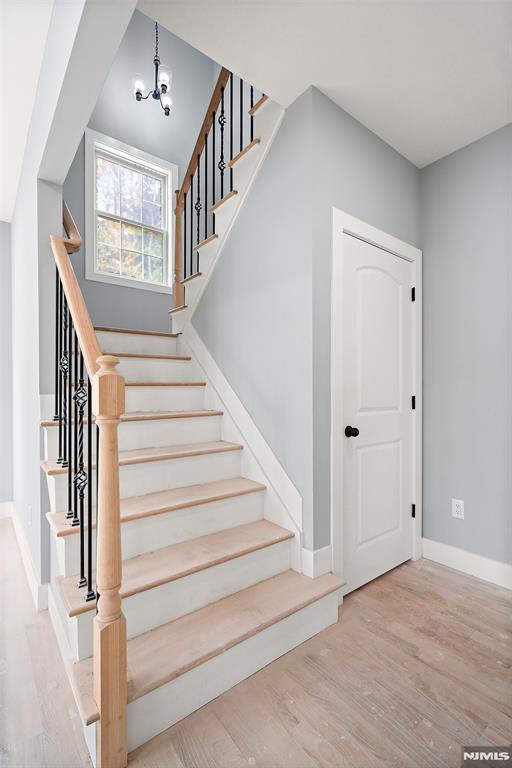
[343,223]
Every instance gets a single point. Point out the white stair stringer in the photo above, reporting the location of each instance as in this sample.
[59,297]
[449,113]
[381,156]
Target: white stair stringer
[266,124]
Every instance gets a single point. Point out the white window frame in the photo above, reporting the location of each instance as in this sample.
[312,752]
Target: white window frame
[169,171]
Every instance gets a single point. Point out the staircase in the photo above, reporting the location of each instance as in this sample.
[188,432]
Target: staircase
[208,590]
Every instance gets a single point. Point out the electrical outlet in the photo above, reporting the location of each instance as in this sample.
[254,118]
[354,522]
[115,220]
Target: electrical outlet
[458,509]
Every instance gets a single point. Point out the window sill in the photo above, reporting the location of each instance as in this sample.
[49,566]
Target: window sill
[125,282]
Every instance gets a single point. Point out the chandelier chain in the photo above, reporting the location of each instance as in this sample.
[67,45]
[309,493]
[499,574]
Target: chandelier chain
[156,39]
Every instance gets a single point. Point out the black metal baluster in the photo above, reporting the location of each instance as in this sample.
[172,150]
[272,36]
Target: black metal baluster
[198,198]
[56,412]
[241,114]
[222,164]
[191,221]
[205,187]
[81,479]
[214,168]
[59,346]
[91,594]
[75,521]
[69,425]
[64,366]
[231,130]
[252,116]
[185,234]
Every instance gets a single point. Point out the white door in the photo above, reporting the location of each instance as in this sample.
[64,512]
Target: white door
[377,391]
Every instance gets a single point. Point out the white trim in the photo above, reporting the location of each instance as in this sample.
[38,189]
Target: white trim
[163,167]
[468,562]
[39,591]
[6,509]
[343,223]
[274,473]
[316,562]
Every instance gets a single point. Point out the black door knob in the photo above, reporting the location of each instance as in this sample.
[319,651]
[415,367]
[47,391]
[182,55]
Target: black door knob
[351,431]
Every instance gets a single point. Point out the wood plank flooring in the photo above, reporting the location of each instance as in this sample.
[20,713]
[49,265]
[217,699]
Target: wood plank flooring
[419,665]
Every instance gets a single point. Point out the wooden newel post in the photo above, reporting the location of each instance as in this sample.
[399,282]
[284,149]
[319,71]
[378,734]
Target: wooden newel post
[178,288]
[109,661]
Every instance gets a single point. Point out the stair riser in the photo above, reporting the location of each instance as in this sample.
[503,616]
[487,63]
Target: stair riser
[164,398]
[139,343]
[150,533]
[157,606]
[156,711]
[141,434]
[154,369]
[151,476]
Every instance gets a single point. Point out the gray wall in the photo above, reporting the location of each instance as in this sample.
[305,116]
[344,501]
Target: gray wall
[265,314]
[6,493]
[466,203]
[142,125]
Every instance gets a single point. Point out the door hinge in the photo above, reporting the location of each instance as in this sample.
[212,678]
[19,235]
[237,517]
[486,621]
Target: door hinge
[413,510]
[413,293]
[413,402]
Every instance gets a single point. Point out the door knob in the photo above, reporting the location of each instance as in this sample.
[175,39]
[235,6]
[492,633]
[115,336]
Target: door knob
[351,431]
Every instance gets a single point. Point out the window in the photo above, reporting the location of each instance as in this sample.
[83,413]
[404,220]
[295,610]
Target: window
[129,218]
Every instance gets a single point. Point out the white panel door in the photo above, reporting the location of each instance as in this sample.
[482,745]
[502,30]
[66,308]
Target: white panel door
[377,390]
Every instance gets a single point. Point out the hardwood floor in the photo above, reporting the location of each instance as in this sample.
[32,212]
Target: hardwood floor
[419,665]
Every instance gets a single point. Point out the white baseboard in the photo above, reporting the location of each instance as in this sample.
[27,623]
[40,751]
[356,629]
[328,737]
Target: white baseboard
[467,562]
[6,509]
[256,443]
[316,562]
[39,591]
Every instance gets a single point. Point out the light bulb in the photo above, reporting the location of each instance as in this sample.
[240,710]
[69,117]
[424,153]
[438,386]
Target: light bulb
[167,104]
[138,87]
[164,78]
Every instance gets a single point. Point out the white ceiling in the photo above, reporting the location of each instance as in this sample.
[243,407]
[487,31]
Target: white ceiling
[23,29]
[426,76]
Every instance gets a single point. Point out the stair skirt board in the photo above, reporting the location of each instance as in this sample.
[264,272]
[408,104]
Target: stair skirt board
[149,477]
[149,609]
[138,343]
[153,713]
[155,432]
[161,530]
[170,398]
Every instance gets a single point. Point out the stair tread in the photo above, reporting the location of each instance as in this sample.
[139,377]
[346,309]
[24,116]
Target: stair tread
[263,100]
[141,455]
[163,654]
[165,384]
[107,329]
[225,199]
[244,151]
[136,507]
[145,356]
[150,416]
[167,564]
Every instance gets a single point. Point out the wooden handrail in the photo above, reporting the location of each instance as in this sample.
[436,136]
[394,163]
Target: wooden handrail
[77,307]
[205,129]
[108,399]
